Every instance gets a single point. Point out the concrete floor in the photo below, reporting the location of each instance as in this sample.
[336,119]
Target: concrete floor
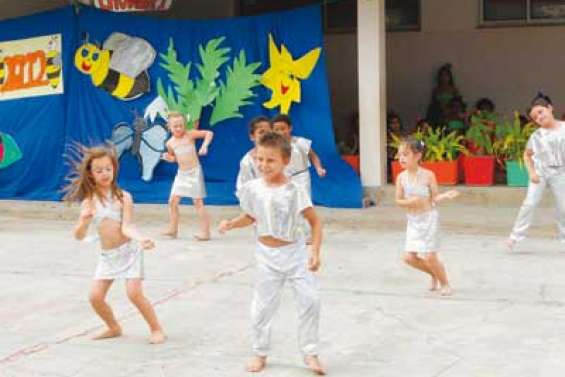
[507,317]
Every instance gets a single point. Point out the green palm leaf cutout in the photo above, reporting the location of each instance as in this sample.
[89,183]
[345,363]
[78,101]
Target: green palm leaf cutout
[236,91]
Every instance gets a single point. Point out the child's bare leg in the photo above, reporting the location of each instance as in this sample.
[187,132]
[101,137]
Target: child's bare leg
[135,294]
[173,229]
[412,259]
[204,234]
[313,363]
[438,270]
[257,364]
[98,294]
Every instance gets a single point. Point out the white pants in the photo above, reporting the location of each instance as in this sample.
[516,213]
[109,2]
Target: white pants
[533,197]
[274,267]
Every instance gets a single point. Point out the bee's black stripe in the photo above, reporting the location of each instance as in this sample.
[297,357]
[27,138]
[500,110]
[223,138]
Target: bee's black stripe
[50,61]
[111,81]
[53,75]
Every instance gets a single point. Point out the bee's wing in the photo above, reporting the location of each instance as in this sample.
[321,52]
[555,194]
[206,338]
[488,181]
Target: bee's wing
[131,55]
[151,148]
[122,137]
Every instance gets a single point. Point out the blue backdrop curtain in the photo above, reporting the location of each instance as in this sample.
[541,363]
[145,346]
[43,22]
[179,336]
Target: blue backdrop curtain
[44,126]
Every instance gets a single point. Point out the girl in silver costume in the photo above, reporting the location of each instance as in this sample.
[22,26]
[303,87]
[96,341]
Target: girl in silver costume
[544,158]
[417,192]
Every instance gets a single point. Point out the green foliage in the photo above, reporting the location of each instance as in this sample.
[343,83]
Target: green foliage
[480,133]
[190,97]
[236,91]
[439,145]
[511,140]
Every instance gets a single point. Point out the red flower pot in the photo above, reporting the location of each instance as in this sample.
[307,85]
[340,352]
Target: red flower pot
[353,160]
[479,170]
[446,172]
[396,169]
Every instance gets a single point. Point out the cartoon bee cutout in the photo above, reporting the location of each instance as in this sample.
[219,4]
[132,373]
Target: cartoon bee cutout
[119,67]
[2,69]
[146,142]
[54,63]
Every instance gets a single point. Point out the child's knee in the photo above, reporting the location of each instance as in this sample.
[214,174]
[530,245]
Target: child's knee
[135,294]
[409,258]
[198,204]
[174,201]
[96,298]
[432,260]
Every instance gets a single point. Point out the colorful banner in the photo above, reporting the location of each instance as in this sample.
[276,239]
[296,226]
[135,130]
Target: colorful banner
[31,67]
[130,5]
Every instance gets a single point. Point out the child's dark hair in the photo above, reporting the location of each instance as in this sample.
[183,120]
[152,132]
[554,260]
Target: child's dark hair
[539,100]
[446,68]
[415,145]
[282,118]
[274,140]
[255,121]
[485,104]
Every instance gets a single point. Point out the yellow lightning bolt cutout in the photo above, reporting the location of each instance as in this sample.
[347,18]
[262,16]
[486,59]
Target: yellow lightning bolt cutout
[284,75]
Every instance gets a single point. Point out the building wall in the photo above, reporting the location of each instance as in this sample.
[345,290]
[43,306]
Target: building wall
[506,64]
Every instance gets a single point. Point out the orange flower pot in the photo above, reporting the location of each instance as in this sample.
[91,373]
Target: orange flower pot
[396,169]
[353,160]
[447,172]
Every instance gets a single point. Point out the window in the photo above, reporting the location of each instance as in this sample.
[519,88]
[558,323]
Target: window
[402,15]
[522,12]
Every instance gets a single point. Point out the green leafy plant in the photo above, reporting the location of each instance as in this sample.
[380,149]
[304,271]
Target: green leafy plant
[439,145]
[190,96]
[480,134]
[511,140]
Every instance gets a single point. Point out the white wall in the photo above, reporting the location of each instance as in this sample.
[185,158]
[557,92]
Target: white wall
[507,65]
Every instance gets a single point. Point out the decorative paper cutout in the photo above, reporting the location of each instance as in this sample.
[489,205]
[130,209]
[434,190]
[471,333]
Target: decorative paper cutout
[282,78]
[120,67]
[146,142]
[191,96]
[9,151]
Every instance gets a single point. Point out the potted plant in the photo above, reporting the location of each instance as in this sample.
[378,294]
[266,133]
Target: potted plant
[350,153]
[440,154]
[509,147]
[478,166]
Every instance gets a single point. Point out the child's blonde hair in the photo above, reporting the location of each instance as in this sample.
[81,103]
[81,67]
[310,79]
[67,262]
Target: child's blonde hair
[81,182]
[176,114]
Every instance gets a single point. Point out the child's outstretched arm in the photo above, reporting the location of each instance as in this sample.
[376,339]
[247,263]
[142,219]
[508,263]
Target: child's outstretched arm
[317,163]
[207,136]
[316,224]
[529,162]
[169,155]
[84,220]
[241,221]
[129,229]
[436,196]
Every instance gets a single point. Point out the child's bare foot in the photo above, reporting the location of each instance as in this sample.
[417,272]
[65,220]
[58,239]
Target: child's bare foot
[510,243]
[446,290]
[202,237]
[157,337]
[257,364]
[313,363]
[435,285]
[109,333]
[170,233]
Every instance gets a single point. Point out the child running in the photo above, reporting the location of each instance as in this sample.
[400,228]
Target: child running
[189,181]
[276,206]
[417,191]
[122,246]
[544,158]
[248,166]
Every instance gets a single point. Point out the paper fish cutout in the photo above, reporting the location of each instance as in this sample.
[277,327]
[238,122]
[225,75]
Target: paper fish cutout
[284,75]
[9,151]
[146,142]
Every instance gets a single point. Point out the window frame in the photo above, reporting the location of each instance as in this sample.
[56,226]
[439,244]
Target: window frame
[417,27]
[529,21]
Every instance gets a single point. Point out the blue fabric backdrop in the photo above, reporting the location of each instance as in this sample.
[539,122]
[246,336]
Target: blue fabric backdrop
[44,126]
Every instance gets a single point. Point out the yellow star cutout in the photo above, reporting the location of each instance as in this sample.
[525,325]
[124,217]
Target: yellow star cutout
[284,75]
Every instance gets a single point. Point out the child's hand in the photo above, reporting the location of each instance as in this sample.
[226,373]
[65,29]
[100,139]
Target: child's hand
[86,214]
[534,178]
[146,243]
[314,262]
[321,172]
[167,157]
[203,151]
[451,194]
[224,226]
